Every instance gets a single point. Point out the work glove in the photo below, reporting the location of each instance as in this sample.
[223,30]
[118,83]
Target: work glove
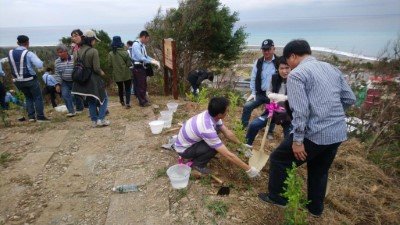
[155,62]
[277,97]
[246,150]
[251,97]
[253,173]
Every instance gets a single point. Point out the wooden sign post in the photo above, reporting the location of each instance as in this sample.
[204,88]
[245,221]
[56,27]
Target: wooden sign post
[169,56]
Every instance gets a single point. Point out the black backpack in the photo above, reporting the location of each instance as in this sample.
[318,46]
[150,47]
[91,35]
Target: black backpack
[80,73]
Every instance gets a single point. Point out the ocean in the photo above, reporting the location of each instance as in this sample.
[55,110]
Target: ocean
[360,43]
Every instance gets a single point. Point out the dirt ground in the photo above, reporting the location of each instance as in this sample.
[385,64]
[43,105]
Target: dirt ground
[62,172]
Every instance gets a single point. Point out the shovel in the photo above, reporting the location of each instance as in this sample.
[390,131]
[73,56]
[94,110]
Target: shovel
[260,158]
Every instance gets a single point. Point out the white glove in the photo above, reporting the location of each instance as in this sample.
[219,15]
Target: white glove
[155,62]
[251,97]
[246,150]
[253,172]
[277,97]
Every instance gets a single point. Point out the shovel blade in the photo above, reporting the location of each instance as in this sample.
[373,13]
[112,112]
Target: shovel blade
[258,159]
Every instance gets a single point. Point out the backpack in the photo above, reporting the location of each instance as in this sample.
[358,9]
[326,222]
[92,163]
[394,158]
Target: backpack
[80,73]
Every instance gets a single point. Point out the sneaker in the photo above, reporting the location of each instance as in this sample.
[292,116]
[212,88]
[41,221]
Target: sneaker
[263,197]
[146,104]
[270,137]
[79,111]
[203,170]
[44,119]
[71,114]
[94,124]
[22,118]
[102,123]
[127,106]
[122,103]
[32,120]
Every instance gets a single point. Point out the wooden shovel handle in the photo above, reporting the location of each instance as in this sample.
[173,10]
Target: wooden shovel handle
[217,179]
[265,134]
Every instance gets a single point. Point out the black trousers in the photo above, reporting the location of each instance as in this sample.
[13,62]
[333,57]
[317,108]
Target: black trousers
[141,84]
[319,160]
[200,153]
[51,90]
[127,84]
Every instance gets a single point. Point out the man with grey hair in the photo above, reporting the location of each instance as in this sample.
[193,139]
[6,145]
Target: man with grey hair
[64,65]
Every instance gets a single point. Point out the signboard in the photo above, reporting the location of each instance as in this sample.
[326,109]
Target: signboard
[168,56]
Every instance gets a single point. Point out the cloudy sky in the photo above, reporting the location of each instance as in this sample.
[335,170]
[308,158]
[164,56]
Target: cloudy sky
[28,13]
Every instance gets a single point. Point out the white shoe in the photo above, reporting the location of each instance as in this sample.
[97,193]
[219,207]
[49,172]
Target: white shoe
[103,122]
[79,112]
[71,114]
[94,124]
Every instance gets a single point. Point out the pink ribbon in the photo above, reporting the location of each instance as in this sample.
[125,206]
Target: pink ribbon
[180,161]
[273,106]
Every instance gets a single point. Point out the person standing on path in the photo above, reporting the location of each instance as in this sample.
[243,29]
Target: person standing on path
[129,50]
[140,59]
[64,65]
[22,62]
[261,75]
[120,62]
[94,90]
[318,96]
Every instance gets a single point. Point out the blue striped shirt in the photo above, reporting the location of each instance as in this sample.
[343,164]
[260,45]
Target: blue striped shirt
[318,96]
[63,69]
[198,128]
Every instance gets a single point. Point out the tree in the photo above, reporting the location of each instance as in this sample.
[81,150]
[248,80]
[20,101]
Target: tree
[204,35]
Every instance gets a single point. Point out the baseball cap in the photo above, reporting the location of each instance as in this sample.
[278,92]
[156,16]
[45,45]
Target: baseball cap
[267,44]
[90,33]
[22,39]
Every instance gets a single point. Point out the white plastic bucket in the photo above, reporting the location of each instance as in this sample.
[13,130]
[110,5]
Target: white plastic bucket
[179,175]
[167,121]
[172,106]
[156,126]
[166,114]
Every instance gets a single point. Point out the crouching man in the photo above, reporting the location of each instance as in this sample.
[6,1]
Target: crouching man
[198,138]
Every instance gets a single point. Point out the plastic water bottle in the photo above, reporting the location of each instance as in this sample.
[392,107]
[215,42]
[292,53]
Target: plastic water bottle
[125,188]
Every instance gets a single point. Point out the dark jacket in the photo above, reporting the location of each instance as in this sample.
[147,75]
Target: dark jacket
[95,86]
[195,77]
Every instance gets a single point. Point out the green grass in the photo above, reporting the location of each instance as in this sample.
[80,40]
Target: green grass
[5,157]
[218,207]
[205,180]
[161,172]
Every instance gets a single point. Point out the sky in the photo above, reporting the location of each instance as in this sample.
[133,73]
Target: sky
[28,13]
[348,25]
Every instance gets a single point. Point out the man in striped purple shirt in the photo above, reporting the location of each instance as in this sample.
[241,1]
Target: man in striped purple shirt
[318,96]
[198,138]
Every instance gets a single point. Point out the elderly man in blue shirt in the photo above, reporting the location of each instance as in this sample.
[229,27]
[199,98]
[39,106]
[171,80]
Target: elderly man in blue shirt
[140,60]
[22,62]
[318,96]
[261,75]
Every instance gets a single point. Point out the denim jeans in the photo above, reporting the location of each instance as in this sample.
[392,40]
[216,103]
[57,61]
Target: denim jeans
[69,98]
[200,153]
[93,108]
[33,98]
[259,123]
[127,89]
[319,160]
[250,105]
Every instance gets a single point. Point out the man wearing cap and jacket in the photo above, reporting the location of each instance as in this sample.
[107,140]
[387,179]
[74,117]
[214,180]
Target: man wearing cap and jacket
[22,62]
[261,75]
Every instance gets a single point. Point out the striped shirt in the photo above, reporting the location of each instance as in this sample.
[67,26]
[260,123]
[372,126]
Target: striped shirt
[64,69]
[318,96]
[198,128]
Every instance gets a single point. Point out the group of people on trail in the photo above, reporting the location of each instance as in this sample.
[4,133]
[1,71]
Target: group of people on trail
[314,95]
[128,68]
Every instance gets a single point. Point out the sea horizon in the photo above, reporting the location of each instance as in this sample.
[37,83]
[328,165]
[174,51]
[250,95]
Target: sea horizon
[359,44]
